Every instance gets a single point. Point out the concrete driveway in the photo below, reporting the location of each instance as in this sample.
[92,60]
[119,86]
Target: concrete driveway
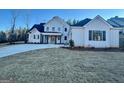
[13,49]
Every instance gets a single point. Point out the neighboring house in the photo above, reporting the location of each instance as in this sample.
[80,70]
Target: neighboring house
[117,22]
[95,33]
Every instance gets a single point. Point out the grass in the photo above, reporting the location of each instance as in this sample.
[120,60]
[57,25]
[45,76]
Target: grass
[63,65]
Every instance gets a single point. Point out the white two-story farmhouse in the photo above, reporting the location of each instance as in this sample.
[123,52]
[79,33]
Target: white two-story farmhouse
[97,33]
[55,31]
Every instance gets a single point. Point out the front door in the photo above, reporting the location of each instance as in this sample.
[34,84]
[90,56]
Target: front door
[53,39]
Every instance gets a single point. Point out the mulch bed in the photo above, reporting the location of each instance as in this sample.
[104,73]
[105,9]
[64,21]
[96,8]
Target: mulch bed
[95,49]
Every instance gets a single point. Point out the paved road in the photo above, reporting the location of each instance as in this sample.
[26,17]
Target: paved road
[13,49]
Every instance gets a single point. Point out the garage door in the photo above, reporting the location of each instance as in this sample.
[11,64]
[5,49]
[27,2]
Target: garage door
[121,40]
[77,36]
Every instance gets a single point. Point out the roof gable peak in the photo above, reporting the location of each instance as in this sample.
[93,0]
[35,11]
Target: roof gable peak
[100,18]
[57,18]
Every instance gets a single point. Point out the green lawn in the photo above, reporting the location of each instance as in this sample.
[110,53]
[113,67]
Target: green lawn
[63,65]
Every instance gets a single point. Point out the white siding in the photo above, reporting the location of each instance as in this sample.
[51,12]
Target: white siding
[31,36]
[81,35]
[57,24]
[78,36]
[114,38]
[97,24]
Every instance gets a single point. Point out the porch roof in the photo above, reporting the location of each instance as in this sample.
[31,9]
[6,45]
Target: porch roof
[52,33]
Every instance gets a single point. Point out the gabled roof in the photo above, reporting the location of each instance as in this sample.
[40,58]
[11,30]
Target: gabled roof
[39,27]
[61,21]
[116,22]
[102,19]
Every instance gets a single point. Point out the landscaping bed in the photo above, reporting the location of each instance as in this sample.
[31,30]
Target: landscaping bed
[96,49]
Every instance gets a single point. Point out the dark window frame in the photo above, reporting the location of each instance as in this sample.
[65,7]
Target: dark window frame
[65,38]
[97,35]
[47,29]
[53,28]
[34,37]
[65,29]
[38,37]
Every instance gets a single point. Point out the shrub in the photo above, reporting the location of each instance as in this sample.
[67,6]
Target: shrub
[71,43]
[2,37]
[11,37]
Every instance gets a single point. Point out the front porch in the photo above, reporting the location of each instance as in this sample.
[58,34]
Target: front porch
[50,38]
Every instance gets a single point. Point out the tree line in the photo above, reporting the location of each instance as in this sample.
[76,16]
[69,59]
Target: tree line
[11,37]
[15,34]
[75,22]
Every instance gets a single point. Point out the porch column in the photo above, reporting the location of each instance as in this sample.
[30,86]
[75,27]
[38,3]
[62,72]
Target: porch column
[47,39]
[55,39]
[60,39]
[41,38]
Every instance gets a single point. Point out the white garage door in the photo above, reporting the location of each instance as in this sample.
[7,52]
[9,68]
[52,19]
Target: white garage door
[77,36]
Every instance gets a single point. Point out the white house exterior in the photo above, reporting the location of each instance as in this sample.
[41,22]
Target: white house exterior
[33,33]
[56,31]
[97,33]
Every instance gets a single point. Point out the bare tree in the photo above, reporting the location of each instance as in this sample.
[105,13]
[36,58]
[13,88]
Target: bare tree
[12,35]
[27,22]
[27,18]
[14,15]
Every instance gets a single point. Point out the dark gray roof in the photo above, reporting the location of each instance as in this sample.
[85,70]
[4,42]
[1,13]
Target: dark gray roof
[39,27]
[82,22]
[116,21]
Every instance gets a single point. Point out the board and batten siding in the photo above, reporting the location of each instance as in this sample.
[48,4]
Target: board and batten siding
[31,36]
[78,35]
[100,25]
[114,38]
[56,22]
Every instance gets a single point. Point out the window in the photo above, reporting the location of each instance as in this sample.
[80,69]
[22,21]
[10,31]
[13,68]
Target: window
[59,28]
[97,35]
[65,37]
[90,35]
[104,36]
[34,36]
[53,28]
[37,36]
[47,29]
[65,29]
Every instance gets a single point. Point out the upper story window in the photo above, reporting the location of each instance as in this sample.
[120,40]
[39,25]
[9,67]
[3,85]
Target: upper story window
[59,29]
[96,35]
[65,29]
[53,28]
[47,29]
